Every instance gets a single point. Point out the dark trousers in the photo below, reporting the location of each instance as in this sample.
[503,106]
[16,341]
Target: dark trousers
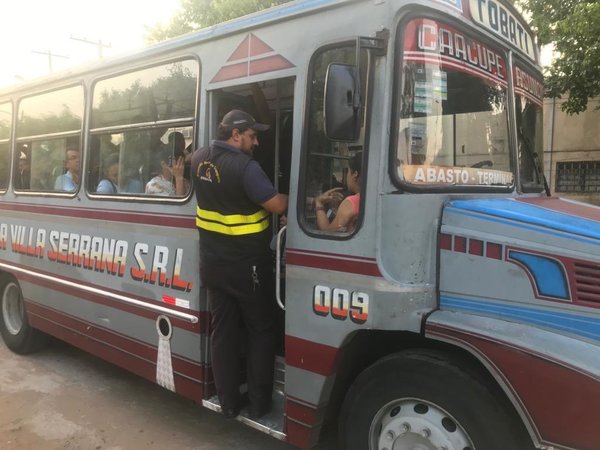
[241,293]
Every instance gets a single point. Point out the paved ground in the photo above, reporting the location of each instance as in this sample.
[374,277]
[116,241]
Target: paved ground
[62,398]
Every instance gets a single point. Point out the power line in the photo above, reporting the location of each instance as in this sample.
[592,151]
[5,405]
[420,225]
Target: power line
[50,55]
[98,43]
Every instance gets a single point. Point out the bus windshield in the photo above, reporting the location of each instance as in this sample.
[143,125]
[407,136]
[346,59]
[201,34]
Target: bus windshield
[453,121]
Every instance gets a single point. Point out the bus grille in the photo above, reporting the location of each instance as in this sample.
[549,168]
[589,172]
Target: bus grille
[587,282]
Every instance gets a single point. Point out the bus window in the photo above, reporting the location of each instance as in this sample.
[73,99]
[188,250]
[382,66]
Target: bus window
[124,163]
[54,165]
[141,125]
[529,98]
[5,126]
[452,128]
[49,141]
[333,176]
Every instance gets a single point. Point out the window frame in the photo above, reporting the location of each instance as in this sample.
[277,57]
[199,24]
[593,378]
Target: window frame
[305,150]
[9,142]
[519,61]
[191,121]
[51,136]
[422,13]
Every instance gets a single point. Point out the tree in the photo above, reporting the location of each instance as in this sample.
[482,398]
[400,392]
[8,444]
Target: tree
[573,27]
[196,14]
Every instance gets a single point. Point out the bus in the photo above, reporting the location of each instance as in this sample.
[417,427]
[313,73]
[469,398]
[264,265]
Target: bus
[460,311]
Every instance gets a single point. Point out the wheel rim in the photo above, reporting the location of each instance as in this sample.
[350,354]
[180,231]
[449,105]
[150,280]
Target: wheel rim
[414,424]
[12,308]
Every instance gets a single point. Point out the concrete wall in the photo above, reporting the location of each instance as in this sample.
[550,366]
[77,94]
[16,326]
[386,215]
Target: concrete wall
[571,138]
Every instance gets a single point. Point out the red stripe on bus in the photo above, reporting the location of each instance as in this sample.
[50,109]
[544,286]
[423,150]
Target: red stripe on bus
[112,350]
[231,72]
[563,206]
[156,219]
[268,64]
[307,415]
[129,344]
[311,356]
[301,436]
[330,261]
[198,327]
[576,393]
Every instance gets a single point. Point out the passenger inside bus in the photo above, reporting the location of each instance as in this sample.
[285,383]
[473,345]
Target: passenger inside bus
[348,209]
[22,178]
[167,171]
[176,142]
[69,181]
[109,184]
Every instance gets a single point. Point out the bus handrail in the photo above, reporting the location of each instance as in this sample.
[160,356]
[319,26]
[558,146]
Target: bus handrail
[157,308]
[278,268]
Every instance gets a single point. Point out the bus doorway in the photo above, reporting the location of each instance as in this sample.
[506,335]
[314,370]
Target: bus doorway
[269,102]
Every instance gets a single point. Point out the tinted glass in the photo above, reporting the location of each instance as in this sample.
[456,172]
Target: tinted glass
[149,95]
[4,164]
[140,162]
[529,98]
[5,125]
[48,165]
[5,120]
[53,112]
[453,122]
[328,164]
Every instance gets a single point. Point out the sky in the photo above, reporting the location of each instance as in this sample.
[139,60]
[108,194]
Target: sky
[30,26]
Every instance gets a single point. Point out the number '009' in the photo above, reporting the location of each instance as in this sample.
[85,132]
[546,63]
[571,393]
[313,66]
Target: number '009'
[341,304]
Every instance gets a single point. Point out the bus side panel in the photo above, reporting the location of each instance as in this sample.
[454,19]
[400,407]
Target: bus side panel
[555,397]
[107,296]
[511,293]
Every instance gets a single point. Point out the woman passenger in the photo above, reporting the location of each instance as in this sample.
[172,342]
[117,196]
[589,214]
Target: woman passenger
[168,179]
[347,212]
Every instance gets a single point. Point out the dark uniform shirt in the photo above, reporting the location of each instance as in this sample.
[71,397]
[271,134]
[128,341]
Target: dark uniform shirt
[230,186]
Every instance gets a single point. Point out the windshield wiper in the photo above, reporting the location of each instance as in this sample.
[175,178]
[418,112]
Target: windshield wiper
[535,160]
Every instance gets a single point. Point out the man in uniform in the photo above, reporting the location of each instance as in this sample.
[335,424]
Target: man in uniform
[235,198]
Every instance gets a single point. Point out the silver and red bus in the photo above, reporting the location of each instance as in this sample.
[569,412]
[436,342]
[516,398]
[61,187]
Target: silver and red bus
[461,312]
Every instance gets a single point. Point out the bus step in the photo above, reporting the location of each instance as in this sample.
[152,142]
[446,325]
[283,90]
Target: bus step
[271,423]
[279,375]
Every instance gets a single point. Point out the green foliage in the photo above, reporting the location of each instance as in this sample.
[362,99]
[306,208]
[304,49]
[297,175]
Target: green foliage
[196,14]
[573,26]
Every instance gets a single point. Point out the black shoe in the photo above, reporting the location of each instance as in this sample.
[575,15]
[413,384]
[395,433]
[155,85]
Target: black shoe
[231,413]
[256,412]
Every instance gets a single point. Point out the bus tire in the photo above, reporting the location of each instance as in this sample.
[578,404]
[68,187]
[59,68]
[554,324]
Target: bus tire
[422,399]
[18,335]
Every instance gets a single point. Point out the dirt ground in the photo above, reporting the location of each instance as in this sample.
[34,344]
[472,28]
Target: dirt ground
[62,398]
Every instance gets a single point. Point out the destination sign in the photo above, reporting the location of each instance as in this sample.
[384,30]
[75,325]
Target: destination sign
[496,18]
[450,175]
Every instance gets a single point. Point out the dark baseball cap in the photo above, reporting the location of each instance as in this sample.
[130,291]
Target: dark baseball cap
[242,121]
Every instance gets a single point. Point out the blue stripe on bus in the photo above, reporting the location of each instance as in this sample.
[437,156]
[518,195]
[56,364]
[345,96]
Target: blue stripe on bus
[548,274]
[512,223]
[531,214]
[588,327]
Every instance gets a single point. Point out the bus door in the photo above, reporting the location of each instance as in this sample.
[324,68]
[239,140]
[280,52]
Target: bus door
[327,236]
[270,102]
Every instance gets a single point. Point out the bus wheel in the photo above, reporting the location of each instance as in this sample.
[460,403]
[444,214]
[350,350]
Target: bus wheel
[423,400]
[17,334]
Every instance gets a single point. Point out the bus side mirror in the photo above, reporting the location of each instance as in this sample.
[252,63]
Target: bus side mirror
[341,109]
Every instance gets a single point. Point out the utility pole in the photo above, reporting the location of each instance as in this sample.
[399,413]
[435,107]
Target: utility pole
[98,43]
[50,55]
